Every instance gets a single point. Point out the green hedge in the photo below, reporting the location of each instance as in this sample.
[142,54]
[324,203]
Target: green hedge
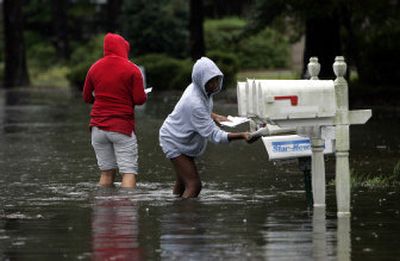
[41,55]
[164,72]
[156,26]
[220,34]
[82,58]
[268,49]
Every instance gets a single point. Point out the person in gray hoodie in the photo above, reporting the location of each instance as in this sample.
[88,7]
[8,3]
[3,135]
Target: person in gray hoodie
[184,134]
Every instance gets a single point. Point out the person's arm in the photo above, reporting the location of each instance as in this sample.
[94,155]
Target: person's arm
[138,94]
[88,88]
[239,136]
[206,127]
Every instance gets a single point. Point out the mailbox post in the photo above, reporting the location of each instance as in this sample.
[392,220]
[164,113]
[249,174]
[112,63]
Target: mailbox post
[342,138]
[317,148]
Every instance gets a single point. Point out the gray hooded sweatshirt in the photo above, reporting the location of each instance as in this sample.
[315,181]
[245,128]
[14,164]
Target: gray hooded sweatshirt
[189,126]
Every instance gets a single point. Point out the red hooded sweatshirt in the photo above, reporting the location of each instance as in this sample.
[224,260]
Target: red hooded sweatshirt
[117,84]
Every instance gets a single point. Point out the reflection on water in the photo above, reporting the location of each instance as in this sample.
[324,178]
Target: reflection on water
[115,228]
[184,232]
[343,239]
[249,209]
[319,234]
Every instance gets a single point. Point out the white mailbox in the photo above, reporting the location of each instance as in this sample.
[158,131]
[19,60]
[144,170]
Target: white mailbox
[308,107]
[286,99]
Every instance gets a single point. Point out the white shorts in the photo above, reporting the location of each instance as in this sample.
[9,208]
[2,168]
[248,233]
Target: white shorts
[169,149]
[115,150]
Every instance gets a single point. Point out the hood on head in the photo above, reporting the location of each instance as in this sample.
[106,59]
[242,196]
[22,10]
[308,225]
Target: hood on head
[204,70]
[114,44]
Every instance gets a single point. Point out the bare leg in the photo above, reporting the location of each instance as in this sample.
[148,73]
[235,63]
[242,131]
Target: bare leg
[107,178]
[179,187]
[186,171]
[128,180]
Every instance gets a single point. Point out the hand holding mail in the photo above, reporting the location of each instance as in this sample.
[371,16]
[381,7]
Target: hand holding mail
[255,135]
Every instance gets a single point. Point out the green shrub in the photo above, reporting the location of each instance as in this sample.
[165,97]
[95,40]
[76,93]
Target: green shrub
[82,58]
[265,50]
[220,34]
[55,76]
[164,72]
[228,64]
[157,26]
[41,55]
[77,74]
[268,49]
[376,181]
[167,73]
[184,76]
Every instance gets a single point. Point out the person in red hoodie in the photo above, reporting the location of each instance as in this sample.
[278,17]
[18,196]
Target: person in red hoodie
[114,85]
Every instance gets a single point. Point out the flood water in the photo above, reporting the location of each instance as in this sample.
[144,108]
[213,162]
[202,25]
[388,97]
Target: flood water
[249,209]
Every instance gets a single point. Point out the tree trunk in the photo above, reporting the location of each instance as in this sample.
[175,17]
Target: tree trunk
[113,12]
[60,28]
[196,43]
[323,41]
[15,73]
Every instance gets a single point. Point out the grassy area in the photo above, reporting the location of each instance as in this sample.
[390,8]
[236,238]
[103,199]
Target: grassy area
[267,74]
[370,182]
[392,180]
[52,77]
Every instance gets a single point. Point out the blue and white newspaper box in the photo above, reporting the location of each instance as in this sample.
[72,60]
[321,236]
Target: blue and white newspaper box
[292,146]
[317,112]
